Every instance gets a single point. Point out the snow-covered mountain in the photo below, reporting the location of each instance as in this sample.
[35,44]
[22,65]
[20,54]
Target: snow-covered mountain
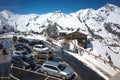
[102,24]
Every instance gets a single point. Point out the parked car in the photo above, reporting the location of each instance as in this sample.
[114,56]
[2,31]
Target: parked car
[40,48]
[23,54]
[44,55]
[22,47]
[35,42]
[57,69]
[23,62]
[1,46]
[22,40]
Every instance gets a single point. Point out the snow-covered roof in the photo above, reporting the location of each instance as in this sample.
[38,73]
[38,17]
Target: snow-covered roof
[69,32]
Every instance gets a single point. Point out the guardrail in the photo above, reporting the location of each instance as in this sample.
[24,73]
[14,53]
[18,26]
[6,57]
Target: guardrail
[110,63]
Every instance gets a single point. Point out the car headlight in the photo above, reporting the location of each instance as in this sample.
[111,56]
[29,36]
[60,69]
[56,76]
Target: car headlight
[68,74]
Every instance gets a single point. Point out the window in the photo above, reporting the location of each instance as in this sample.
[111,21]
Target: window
[17,53]
[43,46]
[51,67]
[38,46]
[25,53]
[19,48]
[61,67]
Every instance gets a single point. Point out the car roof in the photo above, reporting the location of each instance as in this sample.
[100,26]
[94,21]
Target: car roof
[19,51]
[18,57]
[51,63]
[19,44]
[39,45]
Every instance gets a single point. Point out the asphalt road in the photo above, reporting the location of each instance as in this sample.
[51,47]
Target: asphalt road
[84,72]
[5,60]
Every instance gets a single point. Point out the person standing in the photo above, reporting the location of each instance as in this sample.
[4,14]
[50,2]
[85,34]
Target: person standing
[62,51]
[4,52]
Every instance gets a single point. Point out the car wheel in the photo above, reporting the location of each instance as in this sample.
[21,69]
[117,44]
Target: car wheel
[45,72]
[63,77]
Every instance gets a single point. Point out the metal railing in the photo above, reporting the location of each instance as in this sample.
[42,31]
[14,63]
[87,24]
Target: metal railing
[98,57]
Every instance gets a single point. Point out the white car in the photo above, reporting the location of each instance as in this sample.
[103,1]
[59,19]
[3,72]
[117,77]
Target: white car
[40,48]
[22,53]
[42,52]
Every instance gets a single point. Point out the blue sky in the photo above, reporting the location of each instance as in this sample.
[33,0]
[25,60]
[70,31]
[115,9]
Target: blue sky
[46,6]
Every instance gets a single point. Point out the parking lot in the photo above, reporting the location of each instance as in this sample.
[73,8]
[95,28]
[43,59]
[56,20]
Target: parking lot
[28,74]
[17,73]
[8,72]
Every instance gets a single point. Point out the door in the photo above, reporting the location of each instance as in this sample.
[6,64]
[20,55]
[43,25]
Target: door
[52,70]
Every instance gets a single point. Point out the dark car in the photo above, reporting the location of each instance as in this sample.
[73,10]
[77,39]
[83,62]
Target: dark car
[23,40]
[1,46]
[23,62]
[34,42]
[22,47]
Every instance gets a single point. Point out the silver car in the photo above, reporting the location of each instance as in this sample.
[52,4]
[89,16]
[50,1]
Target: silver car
[23,53]
[57,69]
[40,48]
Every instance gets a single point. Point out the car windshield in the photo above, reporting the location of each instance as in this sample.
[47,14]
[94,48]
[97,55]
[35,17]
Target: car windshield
[43,46]
[25,53]
[61,67]
[37,46]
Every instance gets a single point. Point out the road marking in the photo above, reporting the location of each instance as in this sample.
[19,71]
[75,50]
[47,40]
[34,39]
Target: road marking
[36,72]
[76,74]
[38,61]
[4,77]
[14,77]
[46,77]
[43,60]
[38,69]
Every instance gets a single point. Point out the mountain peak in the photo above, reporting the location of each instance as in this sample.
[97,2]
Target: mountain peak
[58,14]
[109,5]
[6,12]
[58,11]
[108,8]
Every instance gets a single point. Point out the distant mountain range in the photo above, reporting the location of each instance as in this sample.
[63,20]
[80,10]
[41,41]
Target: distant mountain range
[102,24]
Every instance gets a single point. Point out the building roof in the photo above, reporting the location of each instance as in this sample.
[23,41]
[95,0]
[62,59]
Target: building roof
[69,32]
